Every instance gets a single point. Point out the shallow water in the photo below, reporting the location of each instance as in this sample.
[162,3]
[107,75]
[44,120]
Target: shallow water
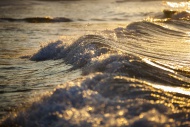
[94,63]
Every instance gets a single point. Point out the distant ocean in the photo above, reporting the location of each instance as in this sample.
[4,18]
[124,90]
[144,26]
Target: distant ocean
[89,63]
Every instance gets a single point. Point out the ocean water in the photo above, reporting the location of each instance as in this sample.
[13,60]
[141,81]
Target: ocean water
[94,63]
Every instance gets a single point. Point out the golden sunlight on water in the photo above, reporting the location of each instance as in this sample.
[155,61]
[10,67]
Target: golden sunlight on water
[178,5]
[172,89]
[156,65]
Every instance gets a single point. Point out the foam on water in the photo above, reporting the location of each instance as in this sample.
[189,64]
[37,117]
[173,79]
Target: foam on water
[104,100]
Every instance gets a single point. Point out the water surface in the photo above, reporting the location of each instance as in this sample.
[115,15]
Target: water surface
[94,63]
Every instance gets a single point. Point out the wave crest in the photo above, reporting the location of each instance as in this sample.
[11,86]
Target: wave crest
[78,53]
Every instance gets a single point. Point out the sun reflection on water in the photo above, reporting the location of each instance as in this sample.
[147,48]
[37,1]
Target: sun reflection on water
[178,5]
[172,89]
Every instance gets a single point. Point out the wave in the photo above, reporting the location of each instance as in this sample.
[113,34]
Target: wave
[155,40]
[37,20]
[79,53]
[105,100]
[150,46]
[141,78]
[95,52]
